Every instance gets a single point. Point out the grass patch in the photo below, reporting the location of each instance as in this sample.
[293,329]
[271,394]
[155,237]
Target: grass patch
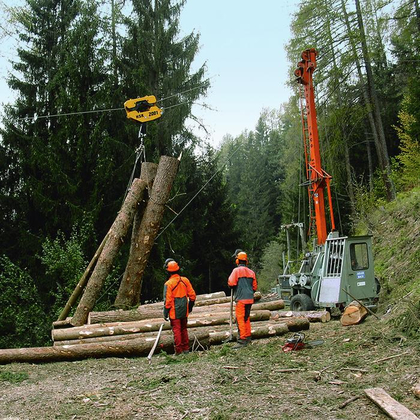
[13,378]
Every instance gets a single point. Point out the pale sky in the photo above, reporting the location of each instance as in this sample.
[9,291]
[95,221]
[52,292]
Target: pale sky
[242,42]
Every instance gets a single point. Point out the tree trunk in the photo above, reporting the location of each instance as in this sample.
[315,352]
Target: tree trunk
[353,314]
[375,126]
[148,174]
[383,148]
[312,316]
[115,240]
[130,287]
[127,348]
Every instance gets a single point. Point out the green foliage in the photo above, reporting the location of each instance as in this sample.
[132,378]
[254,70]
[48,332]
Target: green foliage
[270,266]
[396,236]
[252,178]
[13,378]
[64,265]
[409,158]
[22,318]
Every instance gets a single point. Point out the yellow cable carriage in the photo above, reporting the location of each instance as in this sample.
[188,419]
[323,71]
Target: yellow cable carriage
[142,109]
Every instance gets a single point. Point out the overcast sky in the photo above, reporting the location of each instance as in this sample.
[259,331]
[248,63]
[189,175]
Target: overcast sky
[242,42]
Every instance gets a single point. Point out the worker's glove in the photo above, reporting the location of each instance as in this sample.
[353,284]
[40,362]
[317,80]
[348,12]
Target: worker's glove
[191,305]
[166,314]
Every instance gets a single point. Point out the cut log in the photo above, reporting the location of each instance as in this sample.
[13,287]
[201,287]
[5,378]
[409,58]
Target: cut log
[105,261]
[108,338]
[260,331]
[204,302]
[65,323]
[385,402]
[130,287]
[353,314]
[148,174]
[208,296]
[136,347]
[120,328]
[294,324]
[312,316]
[155,310]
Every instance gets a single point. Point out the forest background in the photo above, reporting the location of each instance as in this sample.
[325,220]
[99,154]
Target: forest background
[66,156]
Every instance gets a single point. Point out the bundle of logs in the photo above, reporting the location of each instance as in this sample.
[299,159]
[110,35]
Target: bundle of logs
[125,333]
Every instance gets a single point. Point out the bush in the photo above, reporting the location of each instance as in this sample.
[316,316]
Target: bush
[22,319]
[64,265]
[270,262]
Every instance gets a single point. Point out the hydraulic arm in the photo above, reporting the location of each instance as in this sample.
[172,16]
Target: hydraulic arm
[318,179]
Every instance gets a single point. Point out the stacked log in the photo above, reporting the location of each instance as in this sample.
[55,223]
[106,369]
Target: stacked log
[154,310]
[312,316]
[128,348]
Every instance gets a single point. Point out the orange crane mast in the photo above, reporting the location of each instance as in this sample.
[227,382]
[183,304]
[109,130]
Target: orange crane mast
[318,179]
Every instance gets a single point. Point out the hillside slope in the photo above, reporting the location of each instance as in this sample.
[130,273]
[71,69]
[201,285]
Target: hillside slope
[396,237]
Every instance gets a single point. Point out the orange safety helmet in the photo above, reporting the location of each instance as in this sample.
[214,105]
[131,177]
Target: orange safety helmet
[241,256]
[171,265]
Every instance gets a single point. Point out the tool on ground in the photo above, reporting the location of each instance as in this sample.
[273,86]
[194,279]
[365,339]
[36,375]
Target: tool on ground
[142,109]
[297,343]
[149,357]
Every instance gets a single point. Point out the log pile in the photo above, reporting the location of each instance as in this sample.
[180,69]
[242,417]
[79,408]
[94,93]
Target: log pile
[208,325]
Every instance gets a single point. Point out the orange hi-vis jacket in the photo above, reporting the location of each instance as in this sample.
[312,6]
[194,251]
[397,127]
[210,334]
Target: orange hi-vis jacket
[243,280]
[176,292]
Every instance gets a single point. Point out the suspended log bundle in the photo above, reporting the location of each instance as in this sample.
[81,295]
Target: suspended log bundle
[353,314]
[130,287]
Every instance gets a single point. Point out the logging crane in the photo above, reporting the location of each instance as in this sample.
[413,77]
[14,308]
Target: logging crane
[339,269]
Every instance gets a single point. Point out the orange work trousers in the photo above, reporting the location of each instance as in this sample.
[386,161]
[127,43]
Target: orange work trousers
[242,319]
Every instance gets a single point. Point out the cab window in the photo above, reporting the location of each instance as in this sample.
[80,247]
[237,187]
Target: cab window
[359,256]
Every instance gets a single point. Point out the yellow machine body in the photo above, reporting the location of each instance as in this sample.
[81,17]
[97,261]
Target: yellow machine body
[142,109]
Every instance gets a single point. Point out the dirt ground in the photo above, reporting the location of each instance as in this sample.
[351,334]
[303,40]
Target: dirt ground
[257,382]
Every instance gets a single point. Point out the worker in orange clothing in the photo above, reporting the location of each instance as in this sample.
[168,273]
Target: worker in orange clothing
[179,298]
[244,284]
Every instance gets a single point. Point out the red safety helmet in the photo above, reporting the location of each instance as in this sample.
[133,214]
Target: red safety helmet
[171,265]
[241,256]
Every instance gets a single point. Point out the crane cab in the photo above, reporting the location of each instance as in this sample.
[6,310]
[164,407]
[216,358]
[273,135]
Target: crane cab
[333,275]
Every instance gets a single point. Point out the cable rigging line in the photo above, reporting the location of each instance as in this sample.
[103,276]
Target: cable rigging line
[199,191]
[94,111]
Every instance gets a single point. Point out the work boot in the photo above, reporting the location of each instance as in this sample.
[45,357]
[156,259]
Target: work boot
[240,343]
[248,339]
[185,352]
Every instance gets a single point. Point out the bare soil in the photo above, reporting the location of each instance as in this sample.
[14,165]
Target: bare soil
[257,382]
